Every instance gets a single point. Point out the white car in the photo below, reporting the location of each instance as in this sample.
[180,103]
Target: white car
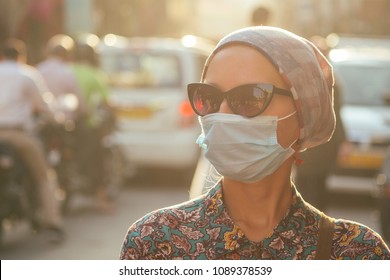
[148,80]
[362,70]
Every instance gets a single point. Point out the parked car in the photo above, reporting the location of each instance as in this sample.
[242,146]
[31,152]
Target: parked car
[148,79]
[362,71]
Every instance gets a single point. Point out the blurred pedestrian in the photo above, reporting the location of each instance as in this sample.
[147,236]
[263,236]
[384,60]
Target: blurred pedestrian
[261,16]
[99,119]
[57,72]
[21,97]
[271,95]
[319,162]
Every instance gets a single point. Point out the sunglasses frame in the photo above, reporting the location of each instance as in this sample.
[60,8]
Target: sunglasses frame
[220,95]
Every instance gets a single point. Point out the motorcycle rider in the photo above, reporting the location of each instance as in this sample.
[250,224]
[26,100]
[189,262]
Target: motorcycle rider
[56,70]
[99,120]
[22,92]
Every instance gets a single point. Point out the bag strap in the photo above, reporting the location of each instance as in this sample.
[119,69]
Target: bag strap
[325,237]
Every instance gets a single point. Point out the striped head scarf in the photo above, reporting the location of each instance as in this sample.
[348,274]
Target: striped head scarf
[305,71]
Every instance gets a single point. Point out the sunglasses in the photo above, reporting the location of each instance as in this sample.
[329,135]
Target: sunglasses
[247,100]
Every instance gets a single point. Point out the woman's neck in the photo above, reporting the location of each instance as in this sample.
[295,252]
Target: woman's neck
[256,208]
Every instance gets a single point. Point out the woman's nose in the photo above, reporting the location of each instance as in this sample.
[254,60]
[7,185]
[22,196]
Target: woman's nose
[224,108]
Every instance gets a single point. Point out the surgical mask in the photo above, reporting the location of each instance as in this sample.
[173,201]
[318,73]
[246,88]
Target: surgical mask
[244,149]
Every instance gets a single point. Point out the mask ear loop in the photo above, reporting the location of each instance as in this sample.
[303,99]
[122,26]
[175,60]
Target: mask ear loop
[286,117]
[298,161]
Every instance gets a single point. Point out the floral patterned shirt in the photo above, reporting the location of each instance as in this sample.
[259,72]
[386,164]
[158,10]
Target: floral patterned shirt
[202,229]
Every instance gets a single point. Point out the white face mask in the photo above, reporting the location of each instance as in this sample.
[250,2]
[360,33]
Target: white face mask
[244,149]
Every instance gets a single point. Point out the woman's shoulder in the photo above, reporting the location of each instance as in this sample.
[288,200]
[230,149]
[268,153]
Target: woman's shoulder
[176,224]
[188,212]
[185,212]
[353,241]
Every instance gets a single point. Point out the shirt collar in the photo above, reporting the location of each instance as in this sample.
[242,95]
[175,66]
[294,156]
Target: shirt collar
[233,238]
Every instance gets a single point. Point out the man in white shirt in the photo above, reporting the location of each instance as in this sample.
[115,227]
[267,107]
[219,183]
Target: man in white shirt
[21,96]
[58,74]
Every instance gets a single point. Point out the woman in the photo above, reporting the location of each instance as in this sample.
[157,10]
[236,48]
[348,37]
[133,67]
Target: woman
[266,94]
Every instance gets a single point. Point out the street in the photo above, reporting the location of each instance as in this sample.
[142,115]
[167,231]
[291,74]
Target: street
[95,236]
[92,235]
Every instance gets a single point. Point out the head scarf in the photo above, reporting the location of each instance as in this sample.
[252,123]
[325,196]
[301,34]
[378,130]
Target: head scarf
[305,71]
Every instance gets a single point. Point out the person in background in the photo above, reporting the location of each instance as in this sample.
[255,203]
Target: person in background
[57,72]
[99,119]
[261,16]
[318,163]
[22,89]
[271,96]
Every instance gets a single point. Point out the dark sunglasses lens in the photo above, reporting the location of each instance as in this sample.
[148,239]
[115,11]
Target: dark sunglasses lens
[248,101]
[204,100]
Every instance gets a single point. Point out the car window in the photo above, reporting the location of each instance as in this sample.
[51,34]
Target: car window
[364,84]
[142,69]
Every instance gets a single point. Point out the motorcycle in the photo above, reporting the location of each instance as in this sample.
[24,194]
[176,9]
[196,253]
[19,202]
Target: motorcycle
[18,196]
[62,142]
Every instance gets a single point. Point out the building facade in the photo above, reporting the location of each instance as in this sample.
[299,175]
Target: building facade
[36,20]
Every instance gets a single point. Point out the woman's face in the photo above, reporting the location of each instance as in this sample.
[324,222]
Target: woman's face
[236,65]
